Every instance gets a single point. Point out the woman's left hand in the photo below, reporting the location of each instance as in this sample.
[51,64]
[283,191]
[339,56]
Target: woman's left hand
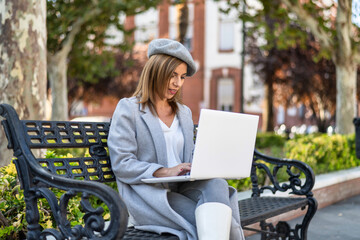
[178,170]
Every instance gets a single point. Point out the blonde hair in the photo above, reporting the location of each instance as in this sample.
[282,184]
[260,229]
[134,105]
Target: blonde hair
[154,80]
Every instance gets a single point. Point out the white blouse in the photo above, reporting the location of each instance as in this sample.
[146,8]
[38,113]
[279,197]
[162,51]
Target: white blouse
[174,139]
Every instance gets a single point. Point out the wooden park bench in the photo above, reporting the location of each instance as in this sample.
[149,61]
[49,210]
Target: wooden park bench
[85,177]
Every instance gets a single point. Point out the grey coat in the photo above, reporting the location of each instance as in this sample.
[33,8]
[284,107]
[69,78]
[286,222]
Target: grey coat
[137,149]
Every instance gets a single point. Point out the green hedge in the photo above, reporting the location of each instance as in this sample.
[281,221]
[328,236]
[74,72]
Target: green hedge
[324,153]
[269,140]
[12,204]
[321,152]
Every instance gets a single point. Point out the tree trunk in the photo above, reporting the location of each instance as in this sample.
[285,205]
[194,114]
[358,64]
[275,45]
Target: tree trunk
[268,113]
[57,70]
[344,57]
[346,70]
[22,61]
[345,98]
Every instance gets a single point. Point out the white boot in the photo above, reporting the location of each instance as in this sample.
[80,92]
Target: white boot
[213,221]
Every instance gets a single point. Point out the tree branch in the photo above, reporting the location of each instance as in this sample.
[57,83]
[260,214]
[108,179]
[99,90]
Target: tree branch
[75,29]
[311,22]
[3,221]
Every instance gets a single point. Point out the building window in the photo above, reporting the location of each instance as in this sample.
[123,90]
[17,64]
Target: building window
[146,26]
[280,115]
[225,94]
[226,33]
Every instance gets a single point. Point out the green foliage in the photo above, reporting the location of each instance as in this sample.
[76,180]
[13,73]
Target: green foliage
[240,185]
[96,16]
[269,139]
[87,23]
[87,66]
[63,152]
[324,153]
[283,28]
[271,22]
[12,204]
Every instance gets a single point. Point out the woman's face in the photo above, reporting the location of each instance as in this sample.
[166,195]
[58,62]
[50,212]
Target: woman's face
[176,81]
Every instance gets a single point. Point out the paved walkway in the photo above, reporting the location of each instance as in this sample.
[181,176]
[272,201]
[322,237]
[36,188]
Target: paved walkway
[337,221]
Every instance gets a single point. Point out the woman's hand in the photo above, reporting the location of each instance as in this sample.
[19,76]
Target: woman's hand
[178,170]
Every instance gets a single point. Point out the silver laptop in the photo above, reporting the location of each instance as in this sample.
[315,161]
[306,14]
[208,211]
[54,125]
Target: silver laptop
[224,147]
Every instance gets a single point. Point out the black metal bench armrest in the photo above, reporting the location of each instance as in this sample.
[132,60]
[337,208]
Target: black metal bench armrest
[294,168]
[33,178]
[93,218]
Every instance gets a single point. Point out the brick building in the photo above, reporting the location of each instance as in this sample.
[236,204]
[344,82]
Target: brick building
[215,42]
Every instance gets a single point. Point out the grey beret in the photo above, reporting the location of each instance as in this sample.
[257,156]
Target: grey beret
[175,49]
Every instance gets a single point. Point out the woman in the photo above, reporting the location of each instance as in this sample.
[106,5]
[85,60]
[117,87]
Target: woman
[151,135]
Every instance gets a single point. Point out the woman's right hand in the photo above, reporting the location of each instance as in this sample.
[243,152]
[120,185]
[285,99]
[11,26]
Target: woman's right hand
[178,170]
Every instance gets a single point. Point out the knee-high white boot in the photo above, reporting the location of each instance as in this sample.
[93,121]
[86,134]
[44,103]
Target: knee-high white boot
[213,221]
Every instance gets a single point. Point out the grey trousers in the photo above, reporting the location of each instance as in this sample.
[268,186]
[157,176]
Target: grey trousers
[185,197]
